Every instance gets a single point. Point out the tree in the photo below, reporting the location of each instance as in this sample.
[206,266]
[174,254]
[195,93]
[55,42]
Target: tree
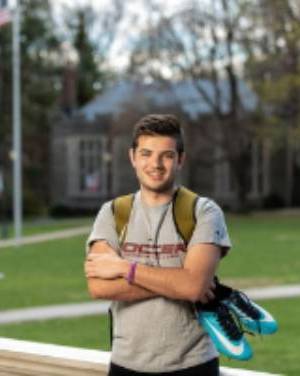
[203,46]
[5,119]
[87,71]
[275,72]
[92,36]
[39,92]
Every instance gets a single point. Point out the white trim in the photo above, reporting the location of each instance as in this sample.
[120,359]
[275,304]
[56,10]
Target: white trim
[54,351]
[31,358]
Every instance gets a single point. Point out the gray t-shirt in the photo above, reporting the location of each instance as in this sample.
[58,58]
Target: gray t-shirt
[159,334]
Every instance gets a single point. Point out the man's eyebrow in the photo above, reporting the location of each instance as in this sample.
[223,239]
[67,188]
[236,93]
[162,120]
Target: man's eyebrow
[162,152]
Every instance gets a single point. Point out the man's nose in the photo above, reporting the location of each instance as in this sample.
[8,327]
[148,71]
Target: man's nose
[157,161]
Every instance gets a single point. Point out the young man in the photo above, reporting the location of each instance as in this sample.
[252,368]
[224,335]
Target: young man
[151,276]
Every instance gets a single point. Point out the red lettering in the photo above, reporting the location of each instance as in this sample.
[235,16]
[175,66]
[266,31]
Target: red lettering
[135,249]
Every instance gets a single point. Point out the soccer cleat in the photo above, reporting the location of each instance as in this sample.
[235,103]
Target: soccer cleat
[252,316]
[221,325]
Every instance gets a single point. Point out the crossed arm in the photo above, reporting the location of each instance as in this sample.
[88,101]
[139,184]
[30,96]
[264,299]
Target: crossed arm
[106,275]
[117,288]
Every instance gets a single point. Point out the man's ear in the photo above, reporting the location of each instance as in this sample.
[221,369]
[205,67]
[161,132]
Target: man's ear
[181,160]
[131,156]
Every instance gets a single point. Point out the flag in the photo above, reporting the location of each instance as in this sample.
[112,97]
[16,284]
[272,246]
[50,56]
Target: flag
[5,16]
[92,182]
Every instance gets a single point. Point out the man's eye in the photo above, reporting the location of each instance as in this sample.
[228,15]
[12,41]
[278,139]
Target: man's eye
[170,156]
[145,153]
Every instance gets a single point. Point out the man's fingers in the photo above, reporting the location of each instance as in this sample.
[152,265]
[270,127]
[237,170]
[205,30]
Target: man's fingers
[93,256]
[210,295]
[90,272]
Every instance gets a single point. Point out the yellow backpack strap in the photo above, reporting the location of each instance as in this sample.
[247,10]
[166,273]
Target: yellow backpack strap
[121,207]
[184,212]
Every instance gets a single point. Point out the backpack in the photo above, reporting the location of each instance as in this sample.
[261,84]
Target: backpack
[184,203]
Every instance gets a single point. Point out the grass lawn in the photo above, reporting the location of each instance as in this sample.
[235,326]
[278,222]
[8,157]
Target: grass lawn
[42,225]
[278,353]
[44,273]
[266,251]
[90,332]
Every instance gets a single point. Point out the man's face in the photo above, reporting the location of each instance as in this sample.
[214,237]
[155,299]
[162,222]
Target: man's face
[156,162]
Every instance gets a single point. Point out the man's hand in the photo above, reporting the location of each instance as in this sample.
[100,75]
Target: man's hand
[105,266]
[209,294]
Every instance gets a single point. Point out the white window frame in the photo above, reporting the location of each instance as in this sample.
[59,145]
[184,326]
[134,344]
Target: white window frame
[82,160]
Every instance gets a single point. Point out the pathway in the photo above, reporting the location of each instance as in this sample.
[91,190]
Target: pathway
[94,308]
[39,238]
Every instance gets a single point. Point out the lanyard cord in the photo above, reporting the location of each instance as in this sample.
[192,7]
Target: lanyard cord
[157,231]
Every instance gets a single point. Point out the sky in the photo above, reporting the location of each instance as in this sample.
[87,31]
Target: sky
[117,60]
[127,29]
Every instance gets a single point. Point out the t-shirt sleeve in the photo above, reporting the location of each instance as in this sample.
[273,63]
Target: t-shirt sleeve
[104,228]
[210,225]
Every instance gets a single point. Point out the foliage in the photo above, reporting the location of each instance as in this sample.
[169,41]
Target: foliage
[274,70]
[202,45]
[92,35]
[39,77]
[255,42]
[43,65]
[87,72]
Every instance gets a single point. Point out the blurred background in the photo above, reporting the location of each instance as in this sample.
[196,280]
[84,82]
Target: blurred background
[229,69]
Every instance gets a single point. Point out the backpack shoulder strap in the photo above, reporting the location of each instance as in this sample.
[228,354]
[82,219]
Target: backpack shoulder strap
[121,207]
[184,212]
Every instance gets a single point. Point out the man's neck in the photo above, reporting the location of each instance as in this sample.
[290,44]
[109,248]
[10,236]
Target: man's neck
[151,198]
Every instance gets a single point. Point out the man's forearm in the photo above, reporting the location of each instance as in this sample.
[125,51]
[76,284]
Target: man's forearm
[117,289]
[172,283]
[191,282]
[114,289]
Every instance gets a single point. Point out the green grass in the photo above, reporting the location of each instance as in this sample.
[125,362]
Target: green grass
[265,252]
[278,353]
[43,225]
[44,273]
[90,332]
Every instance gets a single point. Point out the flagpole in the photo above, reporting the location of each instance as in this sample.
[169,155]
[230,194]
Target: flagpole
[17,133]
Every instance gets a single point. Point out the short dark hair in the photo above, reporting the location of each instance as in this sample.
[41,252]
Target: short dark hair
[159,125]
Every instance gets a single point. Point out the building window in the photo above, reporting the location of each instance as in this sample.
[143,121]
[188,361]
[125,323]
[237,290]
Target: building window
[90,152]
[87,167]
[91,166]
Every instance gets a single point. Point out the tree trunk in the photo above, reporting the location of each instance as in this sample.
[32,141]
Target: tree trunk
[289,173]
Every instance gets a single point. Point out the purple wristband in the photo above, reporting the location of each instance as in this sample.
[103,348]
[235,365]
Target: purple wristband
[131,273]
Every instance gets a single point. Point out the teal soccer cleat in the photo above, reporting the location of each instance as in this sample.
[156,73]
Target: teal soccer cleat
[222,326]
[252,316]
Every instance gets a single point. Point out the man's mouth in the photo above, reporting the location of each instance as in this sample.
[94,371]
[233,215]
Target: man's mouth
[156,175]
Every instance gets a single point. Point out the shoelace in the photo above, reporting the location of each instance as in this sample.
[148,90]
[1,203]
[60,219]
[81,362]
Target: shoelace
[229,322]
[242,301]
